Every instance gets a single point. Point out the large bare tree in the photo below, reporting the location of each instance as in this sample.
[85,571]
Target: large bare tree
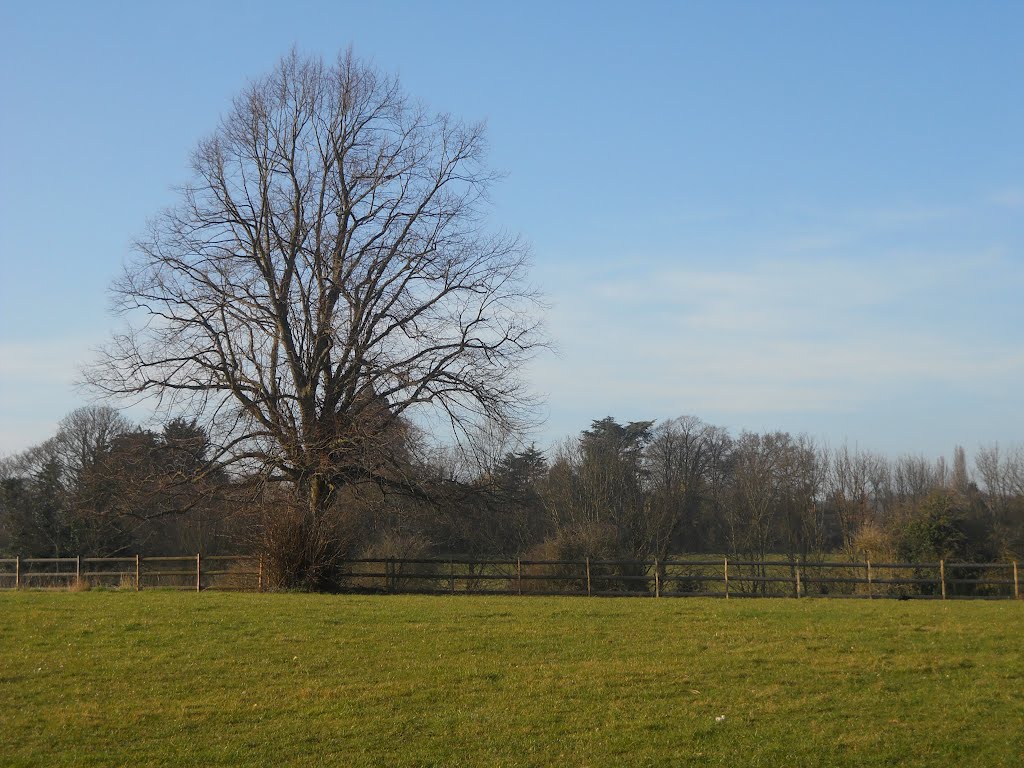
[326,283]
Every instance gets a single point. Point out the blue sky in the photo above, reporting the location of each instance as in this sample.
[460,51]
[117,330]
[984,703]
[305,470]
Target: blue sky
[800,216]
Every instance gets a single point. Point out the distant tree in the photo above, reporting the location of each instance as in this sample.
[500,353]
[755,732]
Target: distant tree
[522,471]
[914,477]
[611,476]
[519,478]
[754,499]
[325,282]
[960,480]
[1001,471]
[858,488]
[775,495]
[33,519]
[102,486]
[945,527]
[496,512]
[186,448]
[681,461]
[803,474]
[54,502]
[595,498]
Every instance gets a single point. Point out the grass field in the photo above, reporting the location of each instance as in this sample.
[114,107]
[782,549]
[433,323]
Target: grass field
[159,678]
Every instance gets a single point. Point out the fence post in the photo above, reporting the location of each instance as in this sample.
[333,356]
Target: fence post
[78,570]
[942,577]
[727,578]
[871,589]
[199,572]
[588,578]
[1016,582]
[451,575]
[657,579]
[17,571]
[798,581]
[259,582]
[519,575]
[138,573]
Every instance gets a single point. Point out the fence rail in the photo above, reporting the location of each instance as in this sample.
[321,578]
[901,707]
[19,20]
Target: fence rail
[191,572]
[676,577]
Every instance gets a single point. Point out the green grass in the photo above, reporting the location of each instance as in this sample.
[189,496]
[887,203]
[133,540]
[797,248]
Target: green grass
[158,678]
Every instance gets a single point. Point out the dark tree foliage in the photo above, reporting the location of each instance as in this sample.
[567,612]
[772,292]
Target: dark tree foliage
[946,527]
[102,486]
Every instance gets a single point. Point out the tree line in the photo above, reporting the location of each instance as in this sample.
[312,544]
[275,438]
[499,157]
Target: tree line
[636,490]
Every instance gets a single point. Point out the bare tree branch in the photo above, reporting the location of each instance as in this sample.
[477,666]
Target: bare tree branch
[325,280]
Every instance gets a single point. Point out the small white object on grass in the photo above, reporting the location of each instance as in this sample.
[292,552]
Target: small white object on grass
[720,719]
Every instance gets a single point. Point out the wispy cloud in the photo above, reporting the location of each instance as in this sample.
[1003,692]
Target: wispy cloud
[37,387]
[784,334]
[1009,197]
[47,362]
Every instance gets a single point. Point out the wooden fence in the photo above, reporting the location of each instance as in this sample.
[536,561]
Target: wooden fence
[191,572]
[677,577]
